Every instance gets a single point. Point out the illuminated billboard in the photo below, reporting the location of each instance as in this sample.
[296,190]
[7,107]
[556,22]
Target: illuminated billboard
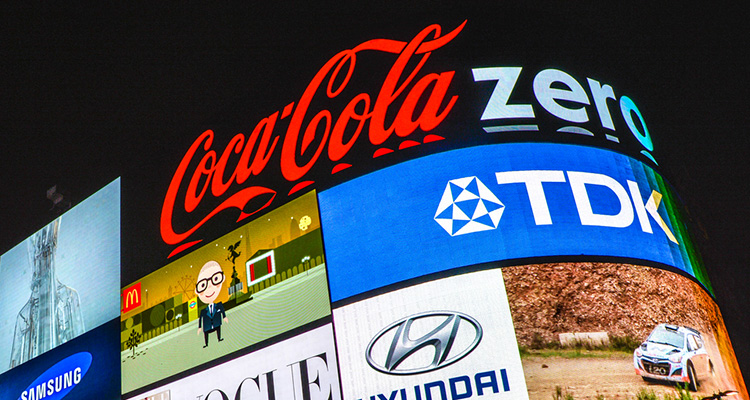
[256,282]
[490,203]
[301,367]
[448,338]
[86,367]
[529,330]
[413,209]
[447,217]
[608,328]
[60,282]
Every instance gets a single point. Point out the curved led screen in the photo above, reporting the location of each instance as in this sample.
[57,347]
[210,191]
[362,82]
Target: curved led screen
[500,202]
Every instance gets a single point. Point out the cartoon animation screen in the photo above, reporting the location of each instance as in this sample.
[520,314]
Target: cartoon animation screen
[62,281]
[254,283]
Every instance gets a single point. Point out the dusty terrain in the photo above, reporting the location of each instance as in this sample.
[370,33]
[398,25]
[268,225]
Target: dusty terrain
[587,378]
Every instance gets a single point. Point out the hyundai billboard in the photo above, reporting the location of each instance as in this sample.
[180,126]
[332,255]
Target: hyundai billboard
[436,340]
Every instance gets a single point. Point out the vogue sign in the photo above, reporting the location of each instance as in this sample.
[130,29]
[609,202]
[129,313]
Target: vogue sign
[303,367]
[403,88]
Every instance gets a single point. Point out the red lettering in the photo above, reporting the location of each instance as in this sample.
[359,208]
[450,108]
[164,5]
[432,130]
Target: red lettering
[238,200]
[289,167]
[390,90]
[192,198]
[303,144]
[167,211]
[218,186]
[337,149]
[429,118]
[262,155]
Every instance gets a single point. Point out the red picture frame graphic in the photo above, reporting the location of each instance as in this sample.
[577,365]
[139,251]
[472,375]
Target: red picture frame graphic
[260,268]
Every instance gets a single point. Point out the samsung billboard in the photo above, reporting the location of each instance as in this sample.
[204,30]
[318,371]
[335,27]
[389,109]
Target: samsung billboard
[61,296]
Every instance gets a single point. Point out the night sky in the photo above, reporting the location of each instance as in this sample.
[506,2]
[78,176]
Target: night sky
[93,93]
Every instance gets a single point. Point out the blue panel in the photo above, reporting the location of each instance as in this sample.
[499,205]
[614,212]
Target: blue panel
[96,353]
[383,228]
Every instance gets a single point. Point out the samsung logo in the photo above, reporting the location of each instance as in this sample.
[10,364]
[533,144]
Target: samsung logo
[56,382]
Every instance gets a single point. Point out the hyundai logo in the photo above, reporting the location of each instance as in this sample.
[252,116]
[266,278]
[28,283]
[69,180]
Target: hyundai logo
[443,337]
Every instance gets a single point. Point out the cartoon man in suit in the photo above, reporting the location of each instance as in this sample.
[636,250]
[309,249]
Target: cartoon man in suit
[208,288]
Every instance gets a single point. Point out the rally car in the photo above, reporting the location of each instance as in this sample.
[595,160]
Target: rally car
[673,353]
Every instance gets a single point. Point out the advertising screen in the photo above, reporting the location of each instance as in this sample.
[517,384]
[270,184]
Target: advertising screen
[585,330]
[86,367]
[580,329]
[440,201]
[62,281]
[303,367]
[256,282]
[450,338]
[500,202]
[431,237]
[607,329]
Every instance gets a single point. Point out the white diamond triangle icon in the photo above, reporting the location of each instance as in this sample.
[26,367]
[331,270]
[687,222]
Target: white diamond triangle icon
[468,206]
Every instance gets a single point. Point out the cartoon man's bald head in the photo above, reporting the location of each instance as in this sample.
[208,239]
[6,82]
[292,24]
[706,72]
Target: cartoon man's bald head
[209,282]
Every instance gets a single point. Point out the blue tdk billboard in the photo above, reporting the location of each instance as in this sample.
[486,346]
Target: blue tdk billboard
[500,202]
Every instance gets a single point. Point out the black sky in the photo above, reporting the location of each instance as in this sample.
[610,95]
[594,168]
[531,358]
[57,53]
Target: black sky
[90,93]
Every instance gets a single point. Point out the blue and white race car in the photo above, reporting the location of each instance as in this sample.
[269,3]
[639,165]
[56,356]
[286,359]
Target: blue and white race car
[673,353]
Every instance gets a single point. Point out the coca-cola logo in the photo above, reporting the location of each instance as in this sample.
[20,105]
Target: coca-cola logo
[420,102]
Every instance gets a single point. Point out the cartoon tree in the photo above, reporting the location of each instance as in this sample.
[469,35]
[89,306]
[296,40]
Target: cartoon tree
[133,341]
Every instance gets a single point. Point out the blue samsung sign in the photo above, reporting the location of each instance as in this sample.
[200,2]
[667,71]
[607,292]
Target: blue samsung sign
[499,202]
[86,367]
[56,382]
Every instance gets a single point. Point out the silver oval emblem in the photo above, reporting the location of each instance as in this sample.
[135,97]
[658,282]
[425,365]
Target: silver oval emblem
[452,335]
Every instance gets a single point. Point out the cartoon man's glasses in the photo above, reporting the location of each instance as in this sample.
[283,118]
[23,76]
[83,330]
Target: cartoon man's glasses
[202,284]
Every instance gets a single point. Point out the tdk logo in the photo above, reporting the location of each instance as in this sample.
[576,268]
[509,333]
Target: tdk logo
[56,382]
[468,205]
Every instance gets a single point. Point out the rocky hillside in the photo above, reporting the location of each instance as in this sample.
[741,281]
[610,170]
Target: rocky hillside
[623,300]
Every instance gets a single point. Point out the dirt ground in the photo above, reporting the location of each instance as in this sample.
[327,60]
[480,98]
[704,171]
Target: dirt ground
[587,378]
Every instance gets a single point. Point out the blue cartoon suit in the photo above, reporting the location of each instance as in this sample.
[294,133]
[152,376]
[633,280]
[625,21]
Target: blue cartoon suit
[210,321]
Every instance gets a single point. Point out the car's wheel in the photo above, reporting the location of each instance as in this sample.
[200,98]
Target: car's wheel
[693,382]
